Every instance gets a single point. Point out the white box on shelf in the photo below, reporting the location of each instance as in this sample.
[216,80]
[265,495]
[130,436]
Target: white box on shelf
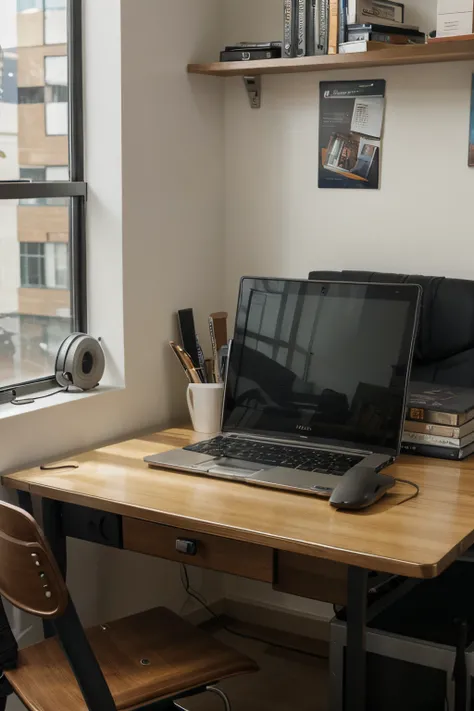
[455,17]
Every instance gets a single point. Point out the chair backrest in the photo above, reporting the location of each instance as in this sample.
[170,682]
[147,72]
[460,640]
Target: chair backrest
[29,576]
[444,350]
[31,580]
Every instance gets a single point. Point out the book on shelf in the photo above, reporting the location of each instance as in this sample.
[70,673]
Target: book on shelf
[289,28]
[380,10]
[333,40]
[316,27]
[384,33]
[428,450]
[440,404]
[370,46]
[342,21]
[451,442]
[301,16]
[322,25]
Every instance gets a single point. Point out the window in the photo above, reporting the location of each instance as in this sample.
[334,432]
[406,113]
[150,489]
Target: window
[56,95]
[29,5]
[44,265]
[55,23]
[51,173]
[31,95]
[32,264]
[42,197]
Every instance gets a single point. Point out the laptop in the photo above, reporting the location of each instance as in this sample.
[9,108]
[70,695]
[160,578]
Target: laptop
[316,384]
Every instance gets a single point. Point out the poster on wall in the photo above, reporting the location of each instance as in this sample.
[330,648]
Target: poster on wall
[471,128]
[351,115]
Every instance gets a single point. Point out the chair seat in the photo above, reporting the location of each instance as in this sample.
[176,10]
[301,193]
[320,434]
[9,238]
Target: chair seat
[178,658]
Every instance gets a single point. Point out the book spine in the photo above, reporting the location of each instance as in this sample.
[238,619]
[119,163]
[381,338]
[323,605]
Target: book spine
[251,55]
[369,35]
[323,40]
[310,9]
[434,418]
[417,438]
[301,29]
[342,21]
[428,450]
[289,32]
[438,430]
[333,26]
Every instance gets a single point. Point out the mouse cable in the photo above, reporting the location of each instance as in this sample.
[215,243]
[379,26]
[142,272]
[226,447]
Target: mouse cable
[410,483]
[196,596]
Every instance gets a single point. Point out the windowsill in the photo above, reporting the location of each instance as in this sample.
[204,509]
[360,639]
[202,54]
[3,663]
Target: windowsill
[62,398]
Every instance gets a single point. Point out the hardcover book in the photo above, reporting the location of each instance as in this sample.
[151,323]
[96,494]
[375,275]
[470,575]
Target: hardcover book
[333,26]
[301,29]
[440,430]
[289,30]
[323,26]
[452,442]
[428,450]
[440,404]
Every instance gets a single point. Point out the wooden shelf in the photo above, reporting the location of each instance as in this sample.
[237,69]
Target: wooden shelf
[456,51]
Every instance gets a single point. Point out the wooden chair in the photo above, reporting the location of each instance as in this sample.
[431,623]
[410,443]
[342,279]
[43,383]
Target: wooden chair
[144,662]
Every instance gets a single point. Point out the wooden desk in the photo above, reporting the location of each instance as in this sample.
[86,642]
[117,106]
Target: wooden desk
[296,542]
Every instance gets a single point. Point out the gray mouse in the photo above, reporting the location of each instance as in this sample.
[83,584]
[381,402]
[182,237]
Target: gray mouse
[360,487]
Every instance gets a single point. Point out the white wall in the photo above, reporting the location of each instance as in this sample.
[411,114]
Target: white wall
[279,223]
[173,220]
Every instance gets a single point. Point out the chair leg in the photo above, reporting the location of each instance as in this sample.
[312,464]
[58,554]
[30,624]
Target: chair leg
[212,690]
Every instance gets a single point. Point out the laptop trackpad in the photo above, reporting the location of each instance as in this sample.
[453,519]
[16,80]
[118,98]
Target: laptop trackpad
[234,467]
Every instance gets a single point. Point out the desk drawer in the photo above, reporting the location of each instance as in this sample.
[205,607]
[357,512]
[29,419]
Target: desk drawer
[309,577]
[245,559]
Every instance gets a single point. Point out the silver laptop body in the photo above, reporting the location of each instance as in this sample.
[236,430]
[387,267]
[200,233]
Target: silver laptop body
[318,373]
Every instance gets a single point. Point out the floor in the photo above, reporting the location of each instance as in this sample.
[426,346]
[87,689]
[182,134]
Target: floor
[286,680]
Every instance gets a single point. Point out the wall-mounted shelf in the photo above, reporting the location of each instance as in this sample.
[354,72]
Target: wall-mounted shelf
[456,51]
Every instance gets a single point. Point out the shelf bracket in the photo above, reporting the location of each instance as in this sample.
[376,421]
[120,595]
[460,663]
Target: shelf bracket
[253,86]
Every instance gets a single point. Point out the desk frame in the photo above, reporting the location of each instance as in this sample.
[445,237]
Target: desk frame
[355,667]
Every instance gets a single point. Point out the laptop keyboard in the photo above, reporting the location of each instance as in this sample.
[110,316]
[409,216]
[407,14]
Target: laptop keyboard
[305,459]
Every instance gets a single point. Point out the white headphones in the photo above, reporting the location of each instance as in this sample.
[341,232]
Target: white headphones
[80,362]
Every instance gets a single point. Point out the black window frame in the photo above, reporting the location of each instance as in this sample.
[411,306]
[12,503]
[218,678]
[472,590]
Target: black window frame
[75,189]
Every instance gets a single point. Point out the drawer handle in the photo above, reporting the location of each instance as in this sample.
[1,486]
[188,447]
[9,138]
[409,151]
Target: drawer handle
[186,546]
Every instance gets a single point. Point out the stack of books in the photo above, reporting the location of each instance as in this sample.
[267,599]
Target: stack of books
[313,27]
[440,422]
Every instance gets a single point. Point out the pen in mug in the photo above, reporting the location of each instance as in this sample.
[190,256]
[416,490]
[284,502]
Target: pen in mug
[186,363]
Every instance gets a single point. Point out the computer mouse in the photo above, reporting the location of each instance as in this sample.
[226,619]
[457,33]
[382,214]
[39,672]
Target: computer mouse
[360,487]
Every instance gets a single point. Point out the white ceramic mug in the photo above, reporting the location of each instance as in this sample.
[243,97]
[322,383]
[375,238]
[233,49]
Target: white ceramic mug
[205,406]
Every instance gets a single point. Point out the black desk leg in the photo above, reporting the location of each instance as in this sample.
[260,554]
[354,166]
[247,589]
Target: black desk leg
[355,675]
[53,530]
[25,501]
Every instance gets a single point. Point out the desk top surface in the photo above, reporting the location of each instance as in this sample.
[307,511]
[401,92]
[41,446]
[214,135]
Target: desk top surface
[419,538]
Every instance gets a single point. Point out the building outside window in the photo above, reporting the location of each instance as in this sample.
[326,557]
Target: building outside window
[44,265]
[56,95]
[42,193]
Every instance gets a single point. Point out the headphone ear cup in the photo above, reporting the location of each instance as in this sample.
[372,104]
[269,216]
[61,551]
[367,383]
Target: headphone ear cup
[60,365]
[80,362]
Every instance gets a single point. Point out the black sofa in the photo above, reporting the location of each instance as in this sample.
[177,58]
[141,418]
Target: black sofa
[444,352]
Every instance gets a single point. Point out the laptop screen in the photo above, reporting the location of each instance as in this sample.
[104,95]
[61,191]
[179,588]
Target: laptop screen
[322,361]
